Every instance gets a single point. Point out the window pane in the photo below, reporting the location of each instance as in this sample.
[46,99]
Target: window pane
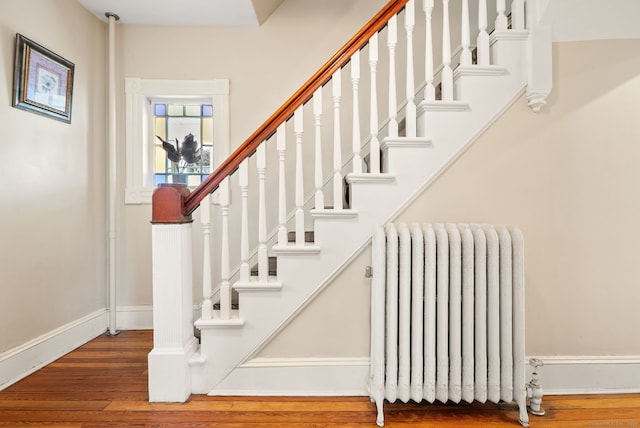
[160,129]
[207,157]
[180,127]
[159,109]
[207,109]
[159,179]
[207,131]
[176,110]
[193,181]
[192,110]
[160,159]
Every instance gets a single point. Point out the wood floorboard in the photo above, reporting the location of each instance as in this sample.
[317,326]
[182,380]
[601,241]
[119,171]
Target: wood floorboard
[104,384]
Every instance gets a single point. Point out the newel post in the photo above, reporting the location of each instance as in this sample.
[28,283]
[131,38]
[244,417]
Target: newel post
[173,339]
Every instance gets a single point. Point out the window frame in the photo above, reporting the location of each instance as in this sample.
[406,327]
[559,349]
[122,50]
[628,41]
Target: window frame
[139,185]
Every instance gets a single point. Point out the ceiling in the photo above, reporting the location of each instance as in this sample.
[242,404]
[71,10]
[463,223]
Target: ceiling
[185,12]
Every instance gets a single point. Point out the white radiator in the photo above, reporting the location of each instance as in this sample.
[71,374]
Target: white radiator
[448,315]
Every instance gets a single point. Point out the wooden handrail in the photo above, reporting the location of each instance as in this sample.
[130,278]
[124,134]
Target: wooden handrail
[322,76]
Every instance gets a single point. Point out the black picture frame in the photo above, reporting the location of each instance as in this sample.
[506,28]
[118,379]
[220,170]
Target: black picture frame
[42,80]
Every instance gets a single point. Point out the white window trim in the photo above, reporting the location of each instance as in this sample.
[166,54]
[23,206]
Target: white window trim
[139,173]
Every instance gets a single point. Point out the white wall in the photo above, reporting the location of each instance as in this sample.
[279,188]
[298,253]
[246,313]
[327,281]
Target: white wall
[598,20]
[52,215]
[568,177]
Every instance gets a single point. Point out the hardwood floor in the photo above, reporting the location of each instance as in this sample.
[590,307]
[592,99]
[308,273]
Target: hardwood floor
[104,384]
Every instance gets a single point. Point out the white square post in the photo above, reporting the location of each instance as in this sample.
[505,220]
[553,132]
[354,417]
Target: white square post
[173,339]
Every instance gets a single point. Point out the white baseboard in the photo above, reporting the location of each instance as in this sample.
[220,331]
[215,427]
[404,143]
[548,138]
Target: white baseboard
[298,377]
[342,377]
[563,375]
[134,318]
[21,361]
[140,317]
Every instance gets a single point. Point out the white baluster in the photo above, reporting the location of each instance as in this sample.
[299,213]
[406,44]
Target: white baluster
[282,188]
[392,41]
[225,288]
[429,90]
[338,191]
[298,128]
[517,15]
[410,116]
[317,114]
[374,145]
[447,73]
[501,19]
[205,219]
[243,178]
[483,36]
[465,55]
[355,79]
[263,260]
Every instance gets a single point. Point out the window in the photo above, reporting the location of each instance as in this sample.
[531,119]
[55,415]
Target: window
[183,141]
[172,110]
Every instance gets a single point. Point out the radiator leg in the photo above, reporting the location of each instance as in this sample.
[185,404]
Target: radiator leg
[534,389]
[380,418]
[522,406]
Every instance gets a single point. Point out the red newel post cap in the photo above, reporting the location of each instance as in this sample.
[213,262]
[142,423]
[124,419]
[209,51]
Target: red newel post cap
[168,204]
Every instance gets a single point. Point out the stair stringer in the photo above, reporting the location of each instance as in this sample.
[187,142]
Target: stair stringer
[225,353]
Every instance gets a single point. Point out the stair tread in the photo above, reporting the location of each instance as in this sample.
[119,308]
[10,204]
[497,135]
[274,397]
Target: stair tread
[216,322]
[292,248]
[330,212]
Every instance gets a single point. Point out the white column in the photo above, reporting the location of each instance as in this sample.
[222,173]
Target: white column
[410,112]
[263,262]
[298,128]
[483,36]
[173,340]
[465,55]
[205,220]
[517,15]
[429,90]
[244,228]
[281,141]
[501,19]
[355,120]
[225,287]
[392,41]
[374,144]
[338,191]
[112,167]
[317,114]
[447,72]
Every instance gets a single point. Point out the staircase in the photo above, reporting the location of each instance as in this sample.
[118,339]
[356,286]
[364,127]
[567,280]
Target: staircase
[371,181]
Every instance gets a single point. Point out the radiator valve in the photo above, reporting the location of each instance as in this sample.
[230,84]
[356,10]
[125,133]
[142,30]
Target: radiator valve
[368,272]
[534,389]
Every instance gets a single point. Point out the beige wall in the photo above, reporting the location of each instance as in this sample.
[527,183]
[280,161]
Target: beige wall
[569,178]
[294,42]
[52,214]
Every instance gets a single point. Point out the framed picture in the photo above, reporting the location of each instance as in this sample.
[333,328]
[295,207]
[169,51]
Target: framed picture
[42,80]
